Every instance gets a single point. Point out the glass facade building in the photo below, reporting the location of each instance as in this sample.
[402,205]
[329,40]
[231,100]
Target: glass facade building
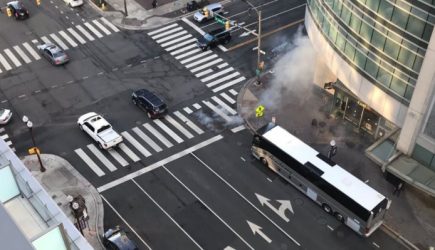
[383,52]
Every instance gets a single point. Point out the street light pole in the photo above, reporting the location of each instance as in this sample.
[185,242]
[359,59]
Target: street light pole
[258,47]
[29,125]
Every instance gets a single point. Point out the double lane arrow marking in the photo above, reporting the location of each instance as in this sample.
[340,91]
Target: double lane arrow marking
[285,204]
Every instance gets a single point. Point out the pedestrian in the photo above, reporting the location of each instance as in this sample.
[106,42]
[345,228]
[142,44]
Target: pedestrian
[154,4]
[398,189]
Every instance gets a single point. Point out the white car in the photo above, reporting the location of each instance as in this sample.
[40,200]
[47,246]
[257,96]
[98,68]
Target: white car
[212,9]
[100,130]
[5,116]
[74,3]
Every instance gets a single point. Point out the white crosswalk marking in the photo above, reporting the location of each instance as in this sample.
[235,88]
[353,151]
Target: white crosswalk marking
[136,144]
[4,137]
[85,32]
[158,135]
[20,52]
[168,131]
[2,130]
[59,42]
[89,162]
[167,32]
[177,40]
[113,27]
[208,58]
[203,73]
[31,51]
[191,52]
[188,123]
[181,44]
[229,84]
[211,77]
[233,92]
[12,57]
[9,143]
[196,105]
[171,36]
[94,30]
[228,98]
[217,111]
[223,79]
[128,152]
[101,27]
[223,65]
[68,38]
[147,139]
[178,126]
[5,63]
[45,39]
[117,157]
[76,35]
[188,110]
[101,157]
[162,29]
[202,54]
[206,65]
[224,105]
[178,51]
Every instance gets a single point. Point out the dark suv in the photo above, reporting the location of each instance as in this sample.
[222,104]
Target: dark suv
[214,38]
[148,101]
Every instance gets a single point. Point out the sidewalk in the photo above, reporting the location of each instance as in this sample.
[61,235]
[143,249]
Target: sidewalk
[60,180]
[411,217]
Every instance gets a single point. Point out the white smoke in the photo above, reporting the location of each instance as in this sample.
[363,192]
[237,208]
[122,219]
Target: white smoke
[214,122]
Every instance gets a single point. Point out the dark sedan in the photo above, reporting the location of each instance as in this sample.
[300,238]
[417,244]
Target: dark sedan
[18,10]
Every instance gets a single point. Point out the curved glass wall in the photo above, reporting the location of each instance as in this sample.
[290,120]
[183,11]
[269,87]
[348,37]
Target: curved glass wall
[385,40]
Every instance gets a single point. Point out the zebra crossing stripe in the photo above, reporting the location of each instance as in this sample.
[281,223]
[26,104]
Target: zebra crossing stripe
[113,27]
[147,139]
[168,131]
[208,58]
[9,143]
[101,157]
[223,79]
[228,98]
[224,105]
[167,33]
[178,40]
[158,135]
[233,92]
[199,55]
[211,77]
[59,42]
[188,110]
[2,130]
[223,65]
[20,52]
[178,51]
[89,162]
[76,35]
[171,36]
[86,33]
[206,65]
[217,111]
[117,157]
[197,106]
[194,51]
[5,63]
[128,152]
[188,123]
[162,29]
[136,144]
[45,39]
[101,27]
[181,44]
[178,126]
[229,84]
[205,72]
[95,31]
[237,129]
[31,51]
[12,57]
[4,137]
[68,38]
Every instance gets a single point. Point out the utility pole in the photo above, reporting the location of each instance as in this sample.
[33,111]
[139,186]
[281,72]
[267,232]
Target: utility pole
[258,48]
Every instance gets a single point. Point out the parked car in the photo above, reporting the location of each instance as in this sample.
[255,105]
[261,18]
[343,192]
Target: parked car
[5,116]
[74,3]
[100,130]
[214,38]
[216,8]
[18,10]
[150,103]
[117,239]
[53,53]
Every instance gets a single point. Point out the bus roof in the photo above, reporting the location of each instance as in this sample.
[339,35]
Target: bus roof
[353,187]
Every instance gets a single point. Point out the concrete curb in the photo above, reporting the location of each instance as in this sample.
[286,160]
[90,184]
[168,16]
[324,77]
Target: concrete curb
[398,236]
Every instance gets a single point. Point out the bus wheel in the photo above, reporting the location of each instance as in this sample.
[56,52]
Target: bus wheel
[264,161]
[326,208]
[339,217]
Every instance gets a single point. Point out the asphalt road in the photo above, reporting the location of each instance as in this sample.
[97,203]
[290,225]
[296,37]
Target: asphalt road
[184,182]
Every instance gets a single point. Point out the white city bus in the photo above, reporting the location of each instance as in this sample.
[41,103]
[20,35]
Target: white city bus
[337,191]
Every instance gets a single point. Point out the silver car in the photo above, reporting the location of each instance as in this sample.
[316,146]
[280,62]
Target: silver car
[214,7]
[53,53]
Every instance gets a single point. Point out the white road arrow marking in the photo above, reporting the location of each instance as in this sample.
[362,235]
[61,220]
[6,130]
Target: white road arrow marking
[246,33]
[285,204]
[257,230]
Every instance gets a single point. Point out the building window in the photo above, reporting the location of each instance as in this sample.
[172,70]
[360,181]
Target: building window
[400,18]
[378,40]
[366,31]
[415,26]
[385,10]
[373,4]
[423,156]
[406,57]
[398,86]
[391,49]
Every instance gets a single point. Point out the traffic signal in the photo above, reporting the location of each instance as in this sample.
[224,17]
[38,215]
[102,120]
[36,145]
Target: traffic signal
[227,25]
[261,66]
[38,2]
[8,11]
[205,12]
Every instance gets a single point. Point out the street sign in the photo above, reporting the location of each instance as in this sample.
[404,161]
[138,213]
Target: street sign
[219,20]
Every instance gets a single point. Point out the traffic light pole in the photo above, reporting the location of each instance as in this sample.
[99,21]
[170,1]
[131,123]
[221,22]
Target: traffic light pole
[258,48]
